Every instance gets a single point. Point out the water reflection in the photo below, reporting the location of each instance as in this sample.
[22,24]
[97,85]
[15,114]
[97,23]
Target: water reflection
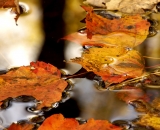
[19,45]
[17,111]
[100,104]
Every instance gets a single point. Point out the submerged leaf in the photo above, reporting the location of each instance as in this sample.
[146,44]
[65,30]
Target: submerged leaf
[40,80]
[58,122]
[113,64]
[129,94]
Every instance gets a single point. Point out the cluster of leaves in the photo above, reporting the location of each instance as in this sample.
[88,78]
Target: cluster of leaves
[110,56]
[116,60]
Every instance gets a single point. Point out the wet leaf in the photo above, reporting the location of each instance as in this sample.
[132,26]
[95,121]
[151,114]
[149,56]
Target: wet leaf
[128,31]
[40,80]
[126,6]
[113,64]
[14,4]
[57,122]
[25,126]
[131,24]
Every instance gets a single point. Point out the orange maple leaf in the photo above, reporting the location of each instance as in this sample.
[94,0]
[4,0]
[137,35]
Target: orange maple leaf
[128,31]
[40,80]
[58,122]
[96,24]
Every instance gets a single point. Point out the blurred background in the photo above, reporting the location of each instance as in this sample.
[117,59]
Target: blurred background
[37,37]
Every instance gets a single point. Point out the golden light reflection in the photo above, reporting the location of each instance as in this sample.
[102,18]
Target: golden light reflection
[19,45]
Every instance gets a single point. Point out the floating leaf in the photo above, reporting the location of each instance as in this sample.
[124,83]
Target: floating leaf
[58,122]
[133,24]
[128,31]
[40,80]
[125,6]
[113,64]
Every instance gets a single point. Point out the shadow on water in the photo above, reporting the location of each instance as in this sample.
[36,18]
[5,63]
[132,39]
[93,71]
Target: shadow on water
[53,49]
[54,27]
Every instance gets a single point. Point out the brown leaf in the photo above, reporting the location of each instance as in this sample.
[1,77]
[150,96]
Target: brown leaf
[113,64]
[25,126]
[125,6]
[40,80]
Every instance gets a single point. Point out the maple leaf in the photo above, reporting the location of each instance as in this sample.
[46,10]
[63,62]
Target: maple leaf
[14,4]
[58,122]
[25,126]
[96,24]
[128,31]
[113,64]
[40,80]
[125,6]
